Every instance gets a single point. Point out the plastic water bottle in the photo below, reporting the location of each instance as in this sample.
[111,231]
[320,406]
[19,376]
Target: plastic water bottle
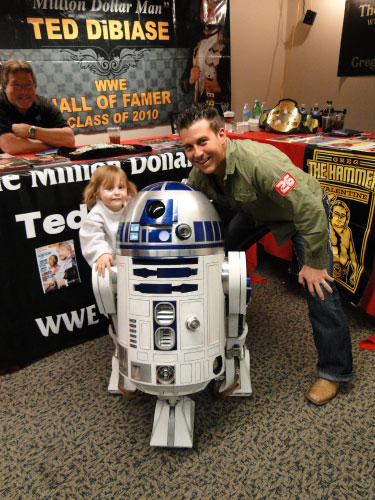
[315,112]
[328,117]
[245,113]
[257,111]
[328,110]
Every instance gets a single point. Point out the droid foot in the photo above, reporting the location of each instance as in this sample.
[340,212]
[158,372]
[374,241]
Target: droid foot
[237,377]
[173,425]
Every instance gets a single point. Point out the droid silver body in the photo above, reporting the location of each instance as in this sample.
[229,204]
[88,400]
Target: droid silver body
[179,311]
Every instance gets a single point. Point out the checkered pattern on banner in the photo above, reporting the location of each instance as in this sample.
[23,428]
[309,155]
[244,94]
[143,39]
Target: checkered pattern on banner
[69,76]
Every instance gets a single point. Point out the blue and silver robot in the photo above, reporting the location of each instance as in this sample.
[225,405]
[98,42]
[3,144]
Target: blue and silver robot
[178,306]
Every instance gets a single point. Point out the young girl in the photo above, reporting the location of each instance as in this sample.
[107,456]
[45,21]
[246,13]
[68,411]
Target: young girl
[106,196]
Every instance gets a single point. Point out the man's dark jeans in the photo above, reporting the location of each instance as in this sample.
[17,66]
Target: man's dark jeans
[327,317]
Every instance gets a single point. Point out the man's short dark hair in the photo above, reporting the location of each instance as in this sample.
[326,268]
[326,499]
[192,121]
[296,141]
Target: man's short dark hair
[197,112]
[14,66]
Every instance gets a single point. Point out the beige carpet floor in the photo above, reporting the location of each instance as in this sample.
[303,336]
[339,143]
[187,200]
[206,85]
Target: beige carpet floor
[64,437]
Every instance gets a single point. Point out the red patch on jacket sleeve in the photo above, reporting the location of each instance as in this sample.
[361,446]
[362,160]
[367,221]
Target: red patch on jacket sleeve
[284,185]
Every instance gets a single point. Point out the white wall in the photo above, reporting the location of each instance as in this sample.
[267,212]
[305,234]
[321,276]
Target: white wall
[312,75]
[257,51]
[311,63]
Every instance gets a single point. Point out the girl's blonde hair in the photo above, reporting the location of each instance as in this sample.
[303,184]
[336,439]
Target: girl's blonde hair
[103,176]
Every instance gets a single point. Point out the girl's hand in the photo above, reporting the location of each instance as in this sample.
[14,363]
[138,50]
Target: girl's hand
[104,262]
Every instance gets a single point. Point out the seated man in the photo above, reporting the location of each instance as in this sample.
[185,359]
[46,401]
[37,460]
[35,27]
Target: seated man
[29,123]
[261,185]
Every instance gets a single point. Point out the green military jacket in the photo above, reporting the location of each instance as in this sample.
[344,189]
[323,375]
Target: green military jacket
[263,183]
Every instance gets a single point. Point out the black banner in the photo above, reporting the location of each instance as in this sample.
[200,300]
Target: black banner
[357,51]
[41,211]
[85,23]
[115,62]
[349,181]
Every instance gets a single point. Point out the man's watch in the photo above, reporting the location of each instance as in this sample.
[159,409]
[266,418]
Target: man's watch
[32,131]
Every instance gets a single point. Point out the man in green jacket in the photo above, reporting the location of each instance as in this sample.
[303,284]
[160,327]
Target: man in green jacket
[259,184]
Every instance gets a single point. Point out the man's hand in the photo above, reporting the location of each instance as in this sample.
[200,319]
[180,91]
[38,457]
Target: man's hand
[104,262]
[21,130]
[313,278]
[195,73]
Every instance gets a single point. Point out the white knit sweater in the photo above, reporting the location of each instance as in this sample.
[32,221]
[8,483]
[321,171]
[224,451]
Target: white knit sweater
[98,231]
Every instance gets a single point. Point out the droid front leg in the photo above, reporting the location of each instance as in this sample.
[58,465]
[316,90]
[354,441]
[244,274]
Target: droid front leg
[104,288]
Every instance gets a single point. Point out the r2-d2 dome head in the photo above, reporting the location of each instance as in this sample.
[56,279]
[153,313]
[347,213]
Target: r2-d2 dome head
[170,219]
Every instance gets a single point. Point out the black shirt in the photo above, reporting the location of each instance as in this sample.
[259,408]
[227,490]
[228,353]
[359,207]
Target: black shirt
[42,113]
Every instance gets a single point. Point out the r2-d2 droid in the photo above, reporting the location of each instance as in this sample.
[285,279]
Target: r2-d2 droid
[180,309]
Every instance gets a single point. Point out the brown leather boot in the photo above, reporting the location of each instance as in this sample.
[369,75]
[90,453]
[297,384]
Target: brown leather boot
[322,391]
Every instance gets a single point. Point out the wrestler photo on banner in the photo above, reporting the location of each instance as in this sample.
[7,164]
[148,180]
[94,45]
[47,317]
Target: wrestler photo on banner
[345,262]
[207,73]
[348,178]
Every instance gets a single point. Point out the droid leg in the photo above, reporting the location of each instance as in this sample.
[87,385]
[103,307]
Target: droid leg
[105,295]
[173,423]
[237,363]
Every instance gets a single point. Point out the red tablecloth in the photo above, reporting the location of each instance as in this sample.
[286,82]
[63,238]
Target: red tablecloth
[294,150]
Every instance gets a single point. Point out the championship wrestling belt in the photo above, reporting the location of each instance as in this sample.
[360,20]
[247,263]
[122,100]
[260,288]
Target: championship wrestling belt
[339,271]
[286,118]
[210,99]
